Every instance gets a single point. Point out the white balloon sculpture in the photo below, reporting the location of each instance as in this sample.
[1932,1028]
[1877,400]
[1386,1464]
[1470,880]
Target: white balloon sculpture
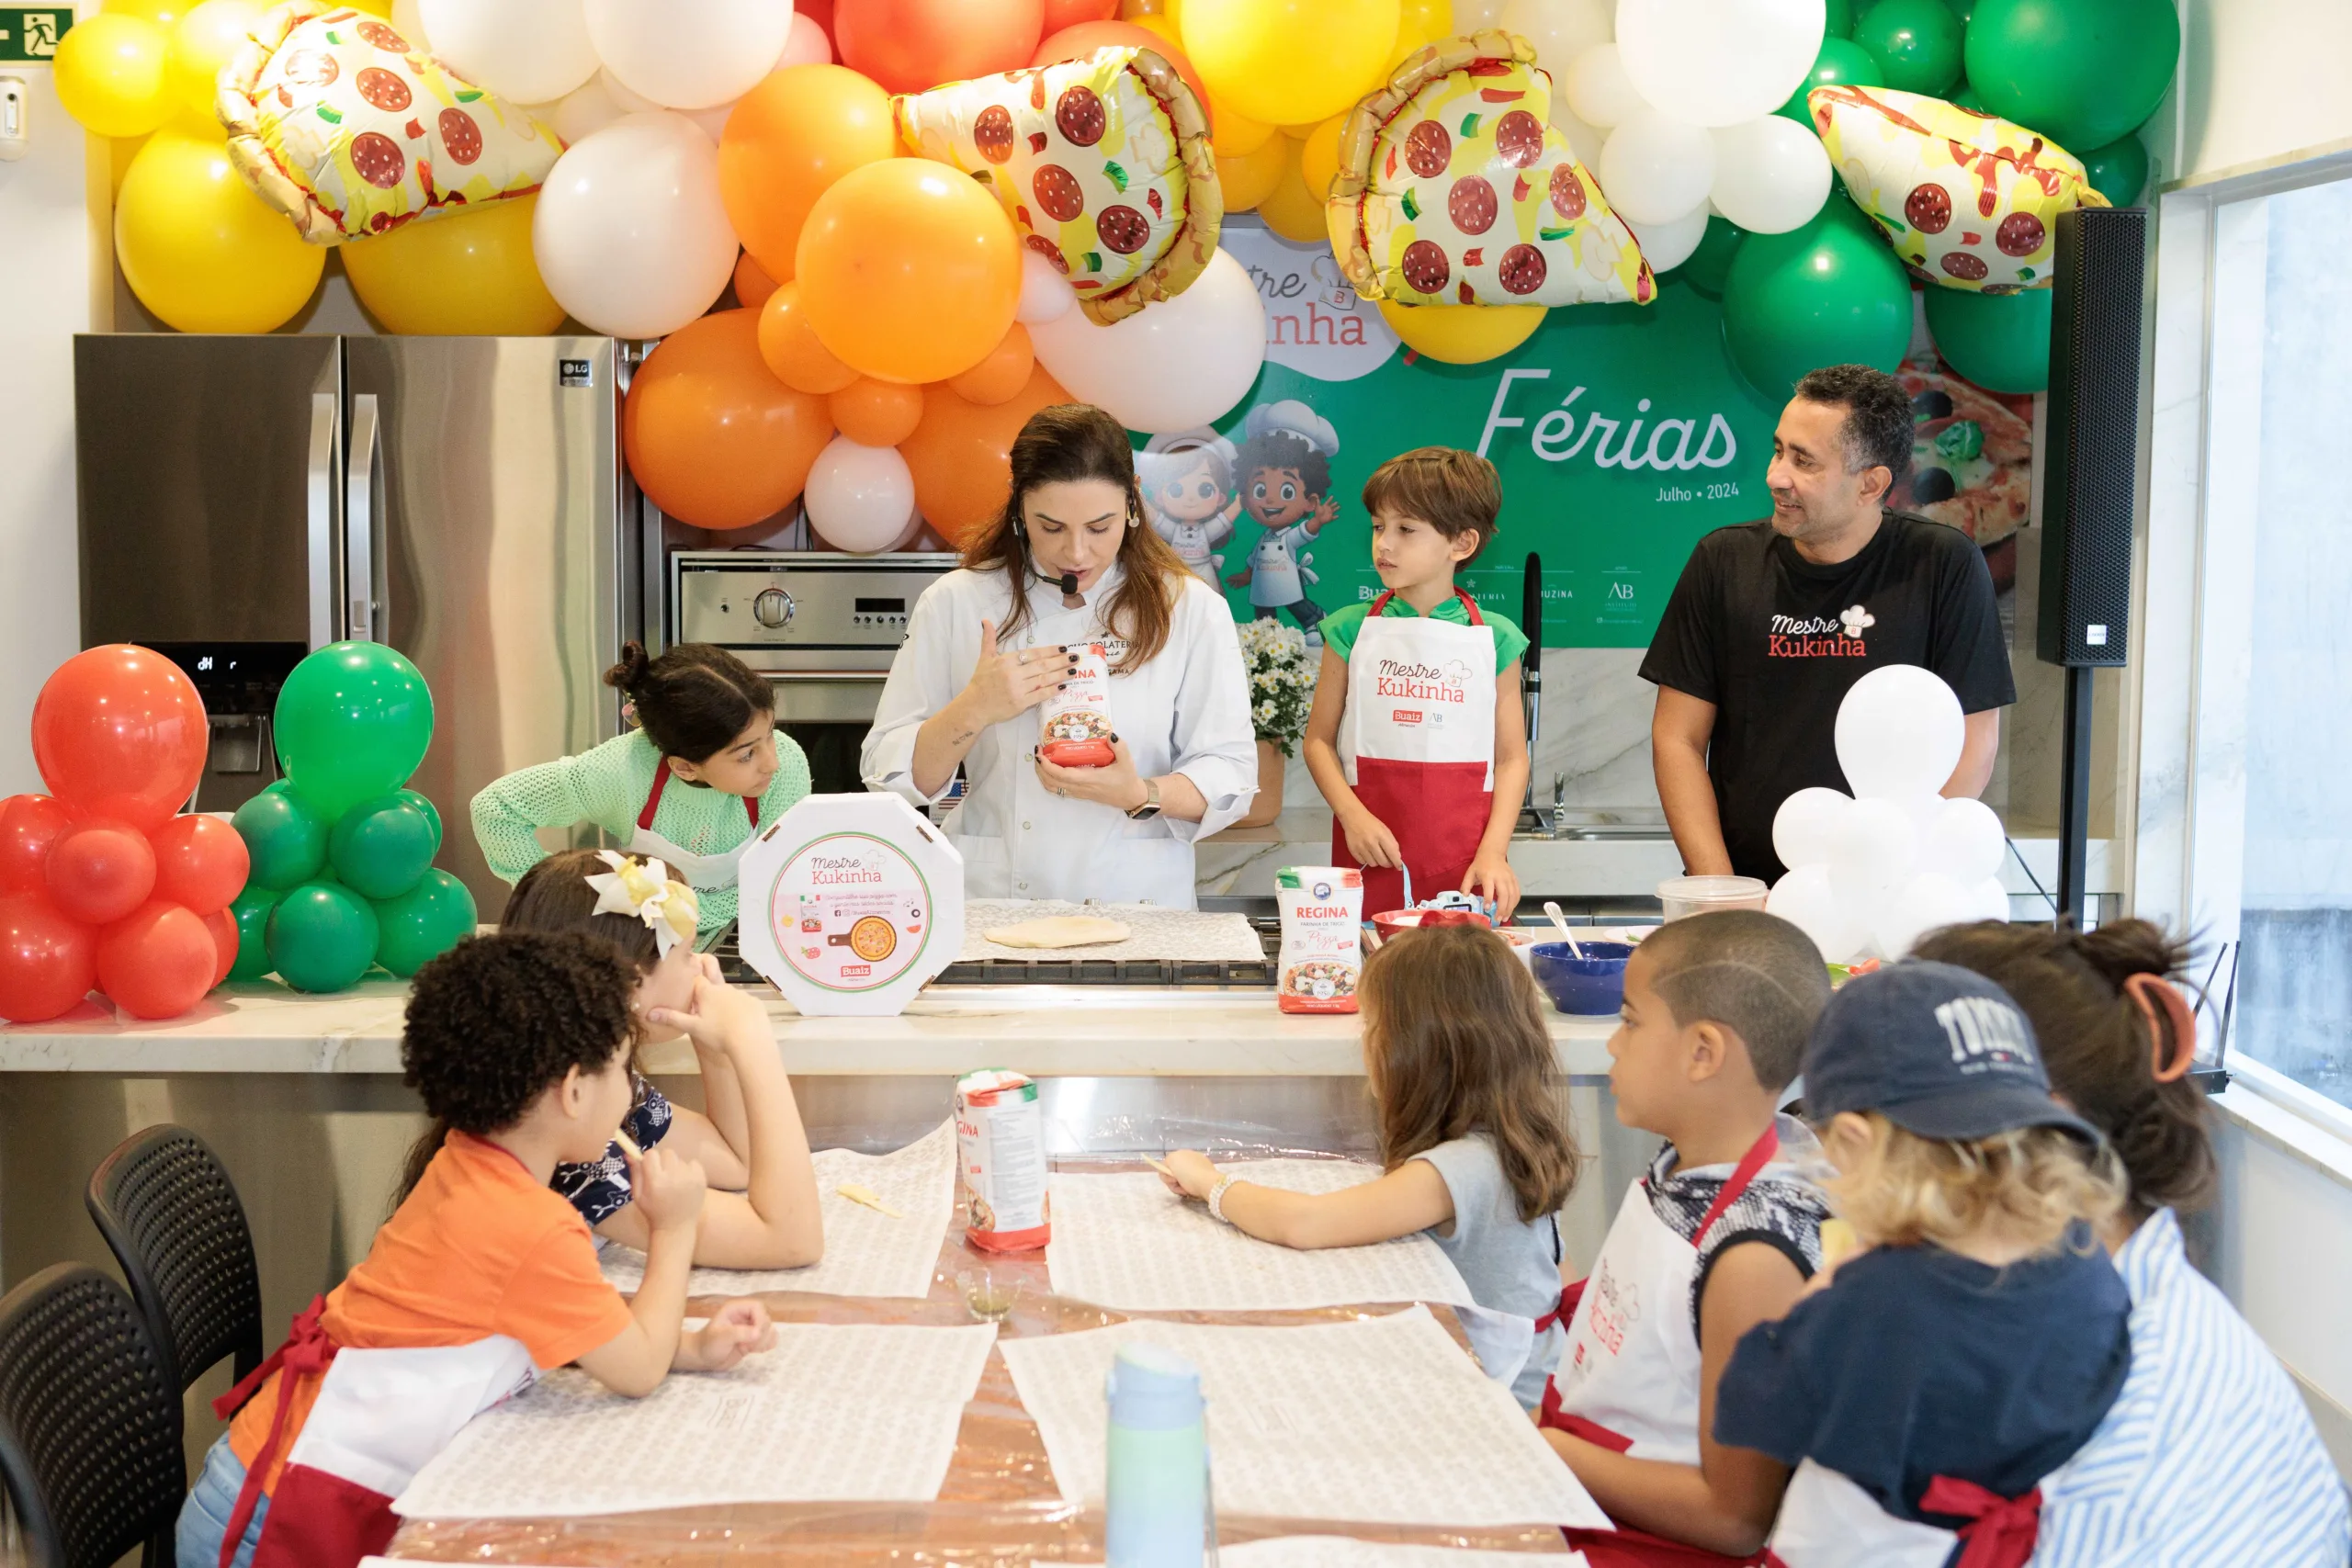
[1171,366]
[1869,876]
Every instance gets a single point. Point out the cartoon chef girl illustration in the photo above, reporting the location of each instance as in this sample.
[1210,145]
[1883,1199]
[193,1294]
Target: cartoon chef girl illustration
[1284,468]
[1188,492]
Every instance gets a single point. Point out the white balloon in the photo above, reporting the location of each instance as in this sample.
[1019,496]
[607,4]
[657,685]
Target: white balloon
[1808,900]
[1653,169]
[1771,174]
[1597,88]
[631,236]
[1668,245]
[582,112]
[1806,829]
[1585,141]
[858,497]
[409,22]
[630,103]
[1899,732]
[711,121]
[1172,364]
[805,45]
[691,54]
[1469,15]
[1560,29]
[1876,847]
[1719,61]
[1045,294]
[1927,902]
[1965,841]
[1993,899]
[532,51]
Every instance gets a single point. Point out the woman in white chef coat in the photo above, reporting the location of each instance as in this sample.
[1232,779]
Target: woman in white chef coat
[1070,561]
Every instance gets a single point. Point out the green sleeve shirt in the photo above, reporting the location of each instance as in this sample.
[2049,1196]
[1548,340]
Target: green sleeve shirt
[1340,627]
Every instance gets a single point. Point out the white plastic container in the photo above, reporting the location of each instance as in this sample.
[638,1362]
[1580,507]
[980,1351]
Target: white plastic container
[851,904]
[1699,895]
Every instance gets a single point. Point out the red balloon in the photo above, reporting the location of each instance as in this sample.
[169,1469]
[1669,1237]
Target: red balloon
[911,45]
[200,864]
[818,11]
[29,826]
[119,732]
[159,963]
[222,925]
[47,963]
[1060,14]
[100,873]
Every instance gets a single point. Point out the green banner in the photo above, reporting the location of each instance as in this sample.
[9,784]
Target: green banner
[29,34]
[1622,433]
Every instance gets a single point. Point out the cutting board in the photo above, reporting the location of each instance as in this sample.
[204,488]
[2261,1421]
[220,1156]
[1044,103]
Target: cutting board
[1153,933]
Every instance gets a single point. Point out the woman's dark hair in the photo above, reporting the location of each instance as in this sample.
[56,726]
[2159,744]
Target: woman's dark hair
[1079,441]
[554,896]
[2097,1043]
[499,1020]
[693,700]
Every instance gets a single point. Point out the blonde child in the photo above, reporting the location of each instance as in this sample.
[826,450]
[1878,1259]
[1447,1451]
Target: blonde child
[1929,1384]
[1473,1134]
[484,1279]
[1720,1235]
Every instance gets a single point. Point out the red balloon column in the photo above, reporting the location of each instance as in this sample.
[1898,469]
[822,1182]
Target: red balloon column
[101,884]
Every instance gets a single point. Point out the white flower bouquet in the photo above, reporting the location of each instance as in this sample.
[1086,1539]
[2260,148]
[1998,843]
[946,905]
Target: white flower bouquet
[1281,682]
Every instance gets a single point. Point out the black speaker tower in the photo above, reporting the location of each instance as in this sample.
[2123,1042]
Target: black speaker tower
[2090,487]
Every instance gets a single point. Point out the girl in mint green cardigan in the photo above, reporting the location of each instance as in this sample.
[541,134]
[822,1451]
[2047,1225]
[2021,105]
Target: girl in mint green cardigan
[703,770]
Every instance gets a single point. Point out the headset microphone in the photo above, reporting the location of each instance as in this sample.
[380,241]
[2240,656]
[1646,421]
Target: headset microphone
[1067,581]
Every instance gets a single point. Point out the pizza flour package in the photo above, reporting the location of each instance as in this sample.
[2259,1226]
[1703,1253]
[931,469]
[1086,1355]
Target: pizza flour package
[1075,729]
[1322,952]
[1001,1161]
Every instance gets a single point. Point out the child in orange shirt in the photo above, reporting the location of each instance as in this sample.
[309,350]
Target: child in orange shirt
[484,1277]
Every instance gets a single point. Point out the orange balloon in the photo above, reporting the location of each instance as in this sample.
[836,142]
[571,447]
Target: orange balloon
[876,414]
[908,270]
[1249,179]
[789,346]
[752,284]
[790,138]
[962,455]
[1076,43]
[998,378]
[713,438]
[1060,14]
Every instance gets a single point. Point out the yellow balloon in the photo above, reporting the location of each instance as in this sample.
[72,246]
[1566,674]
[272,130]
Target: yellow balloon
[162,13]
[1247,180]
[111,74]
[200,249]
[1290,210]
[464,274]
[1319,157]
[1233,133]
[120,150]
[202,42]
[1462,335]
[1137,10]
[1289,62]
[1300,133]
[1420,22]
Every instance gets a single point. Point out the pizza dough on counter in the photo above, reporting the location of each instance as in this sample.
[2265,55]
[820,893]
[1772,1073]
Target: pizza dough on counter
[1059,931]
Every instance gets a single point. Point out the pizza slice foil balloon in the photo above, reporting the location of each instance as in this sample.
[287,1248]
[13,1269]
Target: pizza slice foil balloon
[1102,164]
[337,121]
[1968,201]
[1455,189]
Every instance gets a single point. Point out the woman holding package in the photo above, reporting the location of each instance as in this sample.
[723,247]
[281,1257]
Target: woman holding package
[1089,686]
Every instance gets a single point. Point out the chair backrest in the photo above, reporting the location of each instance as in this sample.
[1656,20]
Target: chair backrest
[173,1219]
[89,1422]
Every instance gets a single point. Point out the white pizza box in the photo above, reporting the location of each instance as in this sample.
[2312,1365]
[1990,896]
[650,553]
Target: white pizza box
[849,904]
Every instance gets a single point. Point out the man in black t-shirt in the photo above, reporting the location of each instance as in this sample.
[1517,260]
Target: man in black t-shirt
[1772,621]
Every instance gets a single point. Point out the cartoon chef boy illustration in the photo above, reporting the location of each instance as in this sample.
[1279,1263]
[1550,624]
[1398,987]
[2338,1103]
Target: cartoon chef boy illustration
[1285,469]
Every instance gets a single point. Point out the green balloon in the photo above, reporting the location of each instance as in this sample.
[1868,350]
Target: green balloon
[2119,171]
[321,938]
[1841,64]
[424,923]
[1964,9]
[1964,95]
[253,908]
[1711,263]
[352,722]
[2081,73]
[1830,293]
[1915,42]
[285,836]
[432,813]
[381,847]
[2001,341]
[1841,19]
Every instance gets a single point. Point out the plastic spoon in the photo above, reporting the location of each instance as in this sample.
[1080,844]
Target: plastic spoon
[1561,922]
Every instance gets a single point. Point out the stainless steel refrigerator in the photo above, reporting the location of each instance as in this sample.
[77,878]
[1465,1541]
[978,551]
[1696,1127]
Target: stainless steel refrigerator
[246,500]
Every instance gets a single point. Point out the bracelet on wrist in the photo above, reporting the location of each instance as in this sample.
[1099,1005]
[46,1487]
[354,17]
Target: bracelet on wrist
[1216,1199]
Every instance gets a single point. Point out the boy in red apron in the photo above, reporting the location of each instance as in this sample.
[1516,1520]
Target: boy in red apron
[483,1279]
[1928,1392]
[1417,738]
[1721,1235]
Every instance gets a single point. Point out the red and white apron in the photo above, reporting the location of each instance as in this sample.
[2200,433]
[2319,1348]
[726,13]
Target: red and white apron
[1826,1521]
[379,1416]
[703,871]
[1418,745]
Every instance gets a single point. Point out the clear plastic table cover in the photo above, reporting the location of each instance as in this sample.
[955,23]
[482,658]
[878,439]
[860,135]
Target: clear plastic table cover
[999,1507]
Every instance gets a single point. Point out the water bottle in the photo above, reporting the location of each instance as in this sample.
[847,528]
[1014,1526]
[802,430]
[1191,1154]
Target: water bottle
[1158,1480]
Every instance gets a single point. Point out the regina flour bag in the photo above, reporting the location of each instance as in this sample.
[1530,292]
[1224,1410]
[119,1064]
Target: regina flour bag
[1322,955]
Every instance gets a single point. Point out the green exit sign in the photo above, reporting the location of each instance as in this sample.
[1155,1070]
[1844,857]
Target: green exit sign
[30,33]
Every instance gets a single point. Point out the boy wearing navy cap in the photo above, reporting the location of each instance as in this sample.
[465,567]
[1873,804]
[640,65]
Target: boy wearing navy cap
[1925,1386]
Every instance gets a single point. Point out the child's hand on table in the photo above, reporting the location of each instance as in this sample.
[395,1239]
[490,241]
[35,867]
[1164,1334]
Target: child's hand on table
[720,1018]
[1370,841]
[668,1189]
[1190,1174]
[739,1328]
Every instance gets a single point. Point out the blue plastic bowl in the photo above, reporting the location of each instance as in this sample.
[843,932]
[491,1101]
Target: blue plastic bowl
[1591,984]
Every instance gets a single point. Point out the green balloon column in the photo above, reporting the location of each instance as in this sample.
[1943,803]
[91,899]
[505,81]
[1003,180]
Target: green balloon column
[342,876]
[1841,64]
[2001,341]
[1830,293]
[1917,44]
[2082,73]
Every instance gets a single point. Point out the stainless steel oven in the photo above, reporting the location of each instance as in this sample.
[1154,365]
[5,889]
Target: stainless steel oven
[822,626]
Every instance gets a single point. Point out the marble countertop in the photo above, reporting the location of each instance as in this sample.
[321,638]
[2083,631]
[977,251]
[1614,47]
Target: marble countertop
[1050,1031]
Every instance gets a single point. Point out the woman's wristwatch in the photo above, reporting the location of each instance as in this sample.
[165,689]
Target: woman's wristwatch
[1150,806]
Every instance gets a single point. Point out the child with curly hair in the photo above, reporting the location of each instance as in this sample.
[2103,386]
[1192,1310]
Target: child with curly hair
[485,1277]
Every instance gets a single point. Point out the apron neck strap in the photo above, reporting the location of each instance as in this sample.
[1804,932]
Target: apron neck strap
[1380,605]
[662,782]
[1760,1155]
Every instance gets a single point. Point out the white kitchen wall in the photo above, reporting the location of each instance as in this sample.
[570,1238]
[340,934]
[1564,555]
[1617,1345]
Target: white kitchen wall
[2259,79]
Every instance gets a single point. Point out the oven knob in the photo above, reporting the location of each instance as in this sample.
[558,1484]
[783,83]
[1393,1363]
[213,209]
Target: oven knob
[772,608]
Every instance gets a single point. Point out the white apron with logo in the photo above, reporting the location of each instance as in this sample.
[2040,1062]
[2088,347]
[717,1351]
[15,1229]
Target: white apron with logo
[703,871]
[1826,1521]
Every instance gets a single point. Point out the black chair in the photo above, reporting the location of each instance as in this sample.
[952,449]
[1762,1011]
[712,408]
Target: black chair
[173,1219]
[89,1423]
